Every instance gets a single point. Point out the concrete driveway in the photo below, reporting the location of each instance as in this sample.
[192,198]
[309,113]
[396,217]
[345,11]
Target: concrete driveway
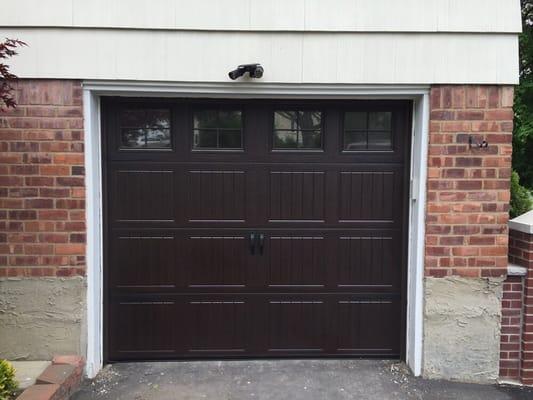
[280,380]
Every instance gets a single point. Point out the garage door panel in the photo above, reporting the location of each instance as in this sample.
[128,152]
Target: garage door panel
[141,329]
[368,261]
[296,261]
[297,196]
[215,261]
[368,326]
[297,325]
[142,196]
[369,196]
[217,195]
[144,262]
[226,321]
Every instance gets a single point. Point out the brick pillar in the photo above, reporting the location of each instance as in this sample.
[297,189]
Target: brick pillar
[521,253]
[527,334]
[511,330]
[42,187]
[468,187]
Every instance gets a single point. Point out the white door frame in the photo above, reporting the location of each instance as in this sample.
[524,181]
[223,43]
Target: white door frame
[94,90]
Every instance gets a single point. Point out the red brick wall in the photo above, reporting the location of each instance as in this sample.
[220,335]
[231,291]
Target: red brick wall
[42,193]
[511,331]
[516,358]
[468,188]
[524,256]
[520,249]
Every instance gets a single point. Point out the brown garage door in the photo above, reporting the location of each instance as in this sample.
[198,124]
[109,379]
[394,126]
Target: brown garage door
[255,228]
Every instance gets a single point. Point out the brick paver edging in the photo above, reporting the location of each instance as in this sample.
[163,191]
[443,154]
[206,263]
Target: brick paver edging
[58,381]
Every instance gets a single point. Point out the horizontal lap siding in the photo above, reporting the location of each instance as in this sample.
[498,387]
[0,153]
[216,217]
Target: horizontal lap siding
[329,58]
[334,15]
[42,185]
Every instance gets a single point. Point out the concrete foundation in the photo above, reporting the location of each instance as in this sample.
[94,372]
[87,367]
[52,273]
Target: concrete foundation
[462,328]
[41,317]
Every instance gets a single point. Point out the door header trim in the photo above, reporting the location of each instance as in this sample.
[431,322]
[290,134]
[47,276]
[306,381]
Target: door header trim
[254,90]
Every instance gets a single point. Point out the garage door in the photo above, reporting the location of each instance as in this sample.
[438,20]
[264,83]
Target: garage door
[254,228]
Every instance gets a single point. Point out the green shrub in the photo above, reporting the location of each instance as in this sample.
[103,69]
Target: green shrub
[8,383]
[521,201]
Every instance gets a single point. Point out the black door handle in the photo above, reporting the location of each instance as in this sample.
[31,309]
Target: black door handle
[252,243]
[261,243]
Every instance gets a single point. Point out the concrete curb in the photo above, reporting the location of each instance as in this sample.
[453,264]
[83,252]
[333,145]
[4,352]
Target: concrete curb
[58,381]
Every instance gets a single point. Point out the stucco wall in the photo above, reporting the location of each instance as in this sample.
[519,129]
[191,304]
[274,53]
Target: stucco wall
[42,317]
[462,328]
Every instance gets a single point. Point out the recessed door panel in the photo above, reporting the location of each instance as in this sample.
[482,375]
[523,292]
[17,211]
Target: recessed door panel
[218,326]
[142,196]
[216,196]
[296,261]
[367,261]
[368,326]
[297,196]
[367,196]
[297,326]
[143,329]
[144,262]
[215,261]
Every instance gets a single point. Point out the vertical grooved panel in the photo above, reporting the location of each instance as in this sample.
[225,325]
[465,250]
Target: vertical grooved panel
[367,196]
[225,320]
[215,261]
[217,196]
[367,261]
[296,326]
[297,261]
[368,325]
[297,196]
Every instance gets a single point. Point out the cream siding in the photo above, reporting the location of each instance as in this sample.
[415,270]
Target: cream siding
[354,58]
[252,15]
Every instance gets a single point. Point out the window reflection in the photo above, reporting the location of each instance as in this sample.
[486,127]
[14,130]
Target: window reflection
[217,129]
[367,131]
[297,130]
[145,128]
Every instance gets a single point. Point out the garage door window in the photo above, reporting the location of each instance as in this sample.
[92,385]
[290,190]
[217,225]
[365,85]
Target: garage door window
[367,131]
[217,130]
[297,130]
[145,129]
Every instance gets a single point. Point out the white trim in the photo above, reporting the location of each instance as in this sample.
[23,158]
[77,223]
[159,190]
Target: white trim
[523,223]
[93,90]
[417,232]
[247,89]
[94,256]
[516,270]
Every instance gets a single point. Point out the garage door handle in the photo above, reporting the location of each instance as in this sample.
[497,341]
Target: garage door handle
[252,243]
[261,243]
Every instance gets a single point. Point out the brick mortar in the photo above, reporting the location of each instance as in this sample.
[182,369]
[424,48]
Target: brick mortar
[468,188]
[42,186]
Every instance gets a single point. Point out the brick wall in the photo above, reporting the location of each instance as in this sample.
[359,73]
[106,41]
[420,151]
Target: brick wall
[520,249]
[511,329]
[42,194]
[522,254]
[468,188]
[516,357]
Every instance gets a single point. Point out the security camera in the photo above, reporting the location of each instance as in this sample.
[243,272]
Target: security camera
[254,70]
